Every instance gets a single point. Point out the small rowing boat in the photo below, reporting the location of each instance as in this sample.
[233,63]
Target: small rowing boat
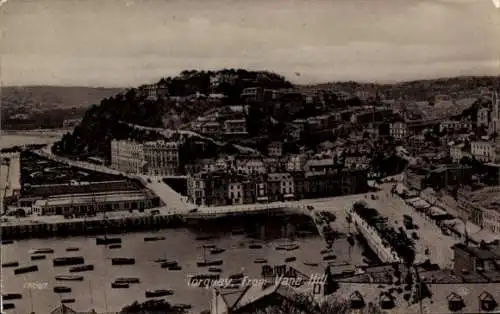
[62,289]
[69,278]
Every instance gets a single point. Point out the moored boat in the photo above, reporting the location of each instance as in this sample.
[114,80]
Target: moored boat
[68,301]
[204,238]
[128,280]
[42,251]
[237,276]
[255,246]
[158,293]
[62,289]
[325,251]
[119,285]
[10,264]
[38,257]
[80,268]
[217,251]
[175,267]
[214,270]
[311,264]
[168,264]
[11,296]
[329,257]
[260,261]
[122,261]
[182,307]
[27,269]
[209,246]
[287,247]
[8,306]
[72,249]
[206,263]
[115,246]
[290,259]
[149,239]
[106,241]
[5,242]
[69,278]
[68,261]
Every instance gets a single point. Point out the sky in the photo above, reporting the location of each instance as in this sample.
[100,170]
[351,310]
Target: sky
[122,43]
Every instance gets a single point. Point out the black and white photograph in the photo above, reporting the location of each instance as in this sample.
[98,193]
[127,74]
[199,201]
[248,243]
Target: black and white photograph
[250,157]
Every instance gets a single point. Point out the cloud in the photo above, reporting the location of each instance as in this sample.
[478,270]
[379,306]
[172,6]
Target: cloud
[112,43]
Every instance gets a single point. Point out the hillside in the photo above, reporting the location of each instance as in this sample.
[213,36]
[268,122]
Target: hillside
[418,90]
[102,122]
[54,97]
[31,107]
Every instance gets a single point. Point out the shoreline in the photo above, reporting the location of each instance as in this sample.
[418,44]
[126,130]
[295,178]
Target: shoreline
[60,227]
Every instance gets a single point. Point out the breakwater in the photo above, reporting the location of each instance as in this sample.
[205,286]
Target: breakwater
[76,227]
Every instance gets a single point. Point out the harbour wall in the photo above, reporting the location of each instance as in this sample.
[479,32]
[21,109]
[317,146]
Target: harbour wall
[385,254]
[68,227]
[94,226]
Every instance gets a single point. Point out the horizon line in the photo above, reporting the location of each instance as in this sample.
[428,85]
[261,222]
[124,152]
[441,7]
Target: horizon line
[375,82]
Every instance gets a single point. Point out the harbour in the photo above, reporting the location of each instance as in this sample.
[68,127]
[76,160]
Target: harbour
[95,291]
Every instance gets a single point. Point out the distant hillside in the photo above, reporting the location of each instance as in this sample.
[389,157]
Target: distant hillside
[52,97]
[31,107]
[420,90]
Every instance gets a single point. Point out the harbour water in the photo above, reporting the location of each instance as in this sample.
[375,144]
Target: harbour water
[10,140]
[181,245]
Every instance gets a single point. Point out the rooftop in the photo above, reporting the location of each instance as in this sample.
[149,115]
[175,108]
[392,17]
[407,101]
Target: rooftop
[76,199]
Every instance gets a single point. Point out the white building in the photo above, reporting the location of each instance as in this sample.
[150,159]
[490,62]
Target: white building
[251,166]
[235,192]
[457,152]
[398,130]
[491,220]
[127,156]
[152,158]
[483,150]
[162,158]
[483,117]
[296,162]
[196,189]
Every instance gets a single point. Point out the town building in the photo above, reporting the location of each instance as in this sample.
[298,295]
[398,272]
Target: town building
[235,126]
[468,259]
[84,204]
[457,152]
[398,130]
[494,126]
[252,94]
[484,151]
[10,177]
[127,156]
[483,117]
[162,158]
[455,125]
[158,158]
[296,162]
[275,149]
[448,175]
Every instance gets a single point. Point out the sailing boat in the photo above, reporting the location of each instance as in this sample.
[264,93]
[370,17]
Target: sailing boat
[207,263]
[105,240]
